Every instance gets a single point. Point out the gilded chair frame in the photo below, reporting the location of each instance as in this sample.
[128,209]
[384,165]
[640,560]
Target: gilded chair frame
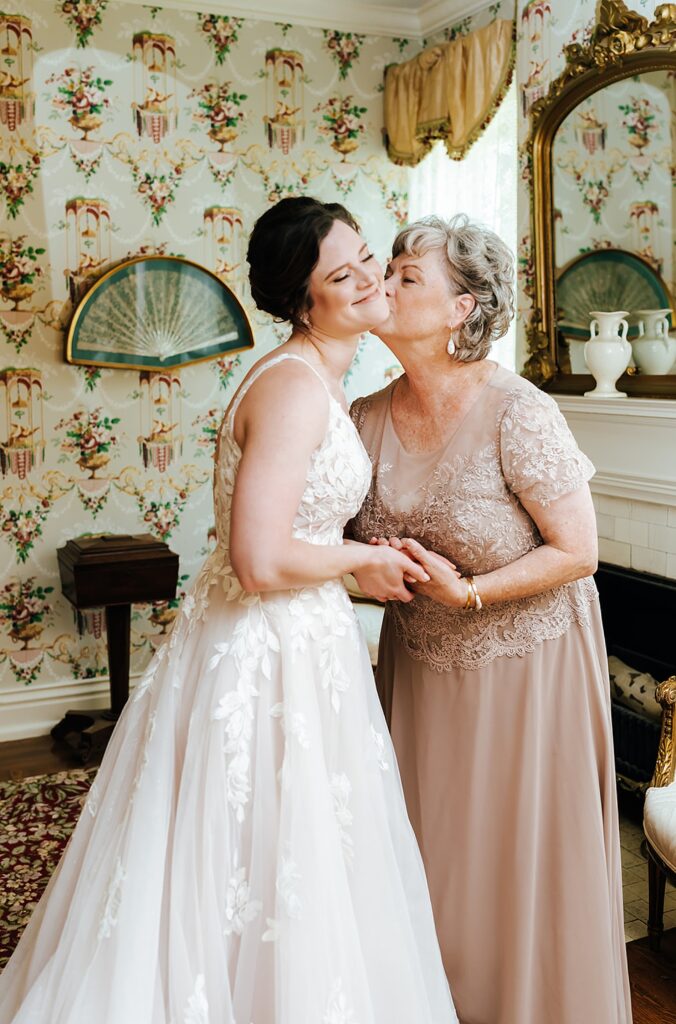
[665,773]
[623,44]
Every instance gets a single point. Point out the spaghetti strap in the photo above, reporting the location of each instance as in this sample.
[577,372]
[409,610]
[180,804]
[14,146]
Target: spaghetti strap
[244,387]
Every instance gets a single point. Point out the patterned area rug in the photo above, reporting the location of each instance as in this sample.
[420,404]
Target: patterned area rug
[37,816]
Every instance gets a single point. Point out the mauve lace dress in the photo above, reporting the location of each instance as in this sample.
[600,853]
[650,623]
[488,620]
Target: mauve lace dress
[501,720]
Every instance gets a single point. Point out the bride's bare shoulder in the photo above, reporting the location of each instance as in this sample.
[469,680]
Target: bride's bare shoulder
[277,391]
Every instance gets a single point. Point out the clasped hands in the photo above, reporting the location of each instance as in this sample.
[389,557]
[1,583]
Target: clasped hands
[421,572]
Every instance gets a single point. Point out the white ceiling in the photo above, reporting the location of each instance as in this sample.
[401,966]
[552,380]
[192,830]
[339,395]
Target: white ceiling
[410,18]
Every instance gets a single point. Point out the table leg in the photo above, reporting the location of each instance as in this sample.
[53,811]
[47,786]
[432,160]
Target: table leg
[118,625]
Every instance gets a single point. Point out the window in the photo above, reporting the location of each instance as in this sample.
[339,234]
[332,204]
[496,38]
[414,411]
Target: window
[483,186]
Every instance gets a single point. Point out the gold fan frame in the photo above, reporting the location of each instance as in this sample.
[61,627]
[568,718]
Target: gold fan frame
[158,366]
[623,44]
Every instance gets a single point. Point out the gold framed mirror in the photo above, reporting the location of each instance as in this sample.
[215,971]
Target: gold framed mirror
[602,152]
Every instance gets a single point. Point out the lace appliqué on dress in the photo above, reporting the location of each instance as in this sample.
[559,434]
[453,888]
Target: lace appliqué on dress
[540,457]
[197,1007]
[469,511]
[450,637]
[240,909]
[338,1009]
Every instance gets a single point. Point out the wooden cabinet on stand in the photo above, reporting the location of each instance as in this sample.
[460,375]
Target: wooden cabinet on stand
[112,571]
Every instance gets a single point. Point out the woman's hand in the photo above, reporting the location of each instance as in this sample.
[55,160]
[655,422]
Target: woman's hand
[445,585]
[385,572]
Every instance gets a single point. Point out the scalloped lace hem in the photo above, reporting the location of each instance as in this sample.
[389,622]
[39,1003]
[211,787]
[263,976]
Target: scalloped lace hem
[447,638]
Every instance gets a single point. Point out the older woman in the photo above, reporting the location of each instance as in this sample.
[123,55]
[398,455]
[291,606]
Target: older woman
[494,677]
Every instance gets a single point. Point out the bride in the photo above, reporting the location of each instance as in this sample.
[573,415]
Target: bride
[244,855]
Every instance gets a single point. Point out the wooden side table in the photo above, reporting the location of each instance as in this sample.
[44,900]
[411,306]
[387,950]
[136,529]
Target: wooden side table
[113,571]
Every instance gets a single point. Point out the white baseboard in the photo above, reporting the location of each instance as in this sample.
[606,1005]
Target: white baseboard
[33,710]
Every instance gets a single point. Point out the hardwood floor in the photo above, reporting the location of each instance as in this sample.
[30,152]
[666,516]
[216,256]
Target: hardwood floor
[653,976]
[653,980]
[39,755]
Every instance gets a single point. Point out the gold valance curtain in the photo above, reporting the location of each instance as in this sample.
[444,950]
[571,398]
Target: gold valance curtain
[448,92]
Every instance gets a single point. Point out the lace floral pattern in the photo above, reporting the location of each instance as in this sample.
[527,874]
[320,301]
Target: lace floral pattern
[341,789]
[239,907]
[113,901]
[197,1008]
[540,458]
[338,1009]
[323,617]
[337,482]
[515,443]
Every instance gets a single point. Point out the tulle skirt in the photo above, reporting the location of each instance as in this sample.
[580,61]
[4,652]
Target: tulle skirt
[244,855]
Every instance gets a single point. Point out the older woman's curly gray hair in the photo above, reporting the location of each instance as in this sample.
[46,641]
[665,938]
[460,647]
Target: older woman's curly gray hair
[478,263]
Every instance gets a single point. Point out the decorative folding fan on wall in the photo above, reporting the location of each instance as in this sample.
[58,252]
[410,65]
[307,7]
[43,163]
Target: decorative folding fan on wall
[154,313]
[606,279]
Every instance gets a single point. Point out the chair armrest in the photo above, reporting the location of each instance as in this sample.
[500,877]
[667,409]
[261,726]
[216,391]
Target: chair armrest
[665,767]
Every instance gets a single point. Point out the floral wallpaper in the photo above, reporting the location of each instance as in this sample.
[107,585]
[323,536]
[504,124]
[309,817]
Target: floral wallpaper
[613,173]
[612,169]
[127,130]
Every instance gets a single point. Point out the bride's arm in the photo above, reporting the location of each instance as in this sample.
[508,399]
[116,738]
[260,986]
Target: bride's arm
[278,425]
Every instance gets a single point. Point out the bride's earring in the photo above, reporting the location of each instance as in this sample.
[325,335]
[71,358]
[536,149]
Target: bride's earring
[450,348]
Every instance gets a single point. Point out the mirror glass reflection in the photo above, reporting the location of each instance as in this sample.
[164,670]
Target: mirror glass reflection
[614,210]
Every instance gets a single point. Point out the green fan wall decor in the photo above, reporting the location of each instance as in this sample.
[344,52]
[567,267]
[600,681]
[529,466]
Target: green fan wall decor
[155,313]
[606,279]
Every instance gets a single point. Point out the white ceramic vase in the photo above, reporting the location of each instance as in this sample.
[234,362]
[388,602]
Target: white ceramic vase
[607,353]
[654,351]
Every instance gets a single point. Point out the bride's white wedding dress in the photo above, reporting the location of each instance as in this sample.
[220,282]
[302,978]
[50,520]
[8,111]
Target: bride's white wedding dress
[244,855]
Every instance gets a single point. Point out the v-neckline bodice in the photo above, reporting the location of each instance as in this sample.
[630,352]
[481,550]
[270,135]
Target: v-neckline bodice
[436,453]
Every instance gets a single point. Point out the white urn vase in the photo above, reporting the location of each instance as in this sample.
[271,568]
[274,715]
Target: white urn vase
[607,353]
[654,351]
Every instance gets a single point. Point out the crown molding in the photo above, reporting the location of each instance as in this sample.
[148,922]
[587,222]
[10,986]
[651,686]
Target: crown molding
[438,14]
[349,15]
[651,489]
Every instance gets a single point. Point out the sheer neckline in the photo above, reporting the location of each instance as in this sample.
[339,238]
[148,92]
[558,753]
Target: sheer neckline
[426,455]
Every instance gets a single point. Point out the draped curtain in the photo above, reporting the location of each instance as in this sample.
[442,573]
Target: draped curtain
[448,92]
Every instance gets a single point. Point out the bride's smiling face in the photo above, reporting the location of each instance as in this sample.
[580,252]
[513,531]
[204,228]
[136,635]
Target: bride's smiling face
[347,289]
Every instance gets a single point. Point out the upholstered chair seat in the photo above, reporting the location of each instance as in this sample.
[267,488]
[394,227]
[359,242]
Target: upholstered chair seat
[660,822]
[659,815]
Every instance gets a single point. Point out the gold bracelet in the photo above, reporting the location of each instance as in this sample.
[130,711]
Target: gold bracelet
[478,603]
[469,603]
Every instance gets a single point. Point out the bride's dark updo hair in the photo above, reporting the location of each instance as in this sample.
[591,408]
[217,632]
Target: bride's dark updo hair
[284,250]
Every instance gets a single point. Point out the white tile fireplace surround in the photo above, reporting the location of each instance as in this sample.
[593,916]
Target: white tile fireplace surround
[632,443]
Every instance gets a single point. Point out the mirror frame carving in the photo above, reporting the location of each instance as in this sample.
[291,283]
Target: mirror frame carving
[623,44]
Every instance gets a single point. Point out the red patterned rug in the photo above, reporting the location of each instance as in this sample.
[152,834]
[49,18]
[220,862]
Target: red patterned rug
[37,817]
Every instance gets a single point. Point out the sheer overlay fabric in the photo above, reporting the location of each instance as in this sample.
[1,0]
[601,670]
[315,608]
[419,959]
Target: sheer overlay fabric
[463,502]
[244,855]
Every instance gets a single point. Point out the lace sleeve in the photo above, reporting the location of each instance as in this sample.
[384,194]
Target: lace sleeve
[358,411]
[540,457]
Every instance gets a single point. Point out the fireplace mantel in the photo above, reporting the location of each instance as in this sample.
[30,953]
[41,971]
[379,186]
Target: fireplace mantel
[631,441]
